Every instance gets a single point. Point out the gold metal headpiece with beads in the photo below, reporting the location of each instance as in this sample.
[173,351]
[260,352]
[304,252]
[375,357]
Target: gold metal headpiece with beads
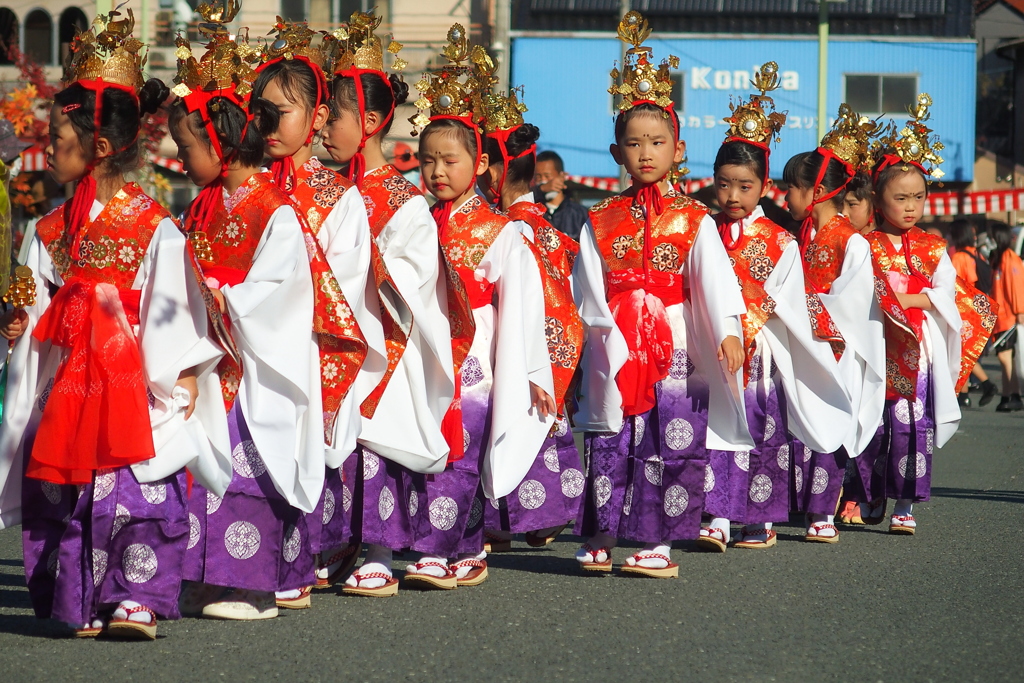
[295,39]
[106,52]
[912,143]
[851,138]
[497,110]
[641,81]
[357,46]
[452,90]
[750,121]
[228,62]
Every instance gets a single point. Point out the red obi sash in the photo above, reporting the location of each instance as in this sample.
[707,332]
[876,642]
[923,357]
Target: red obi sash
[638,303]
[97,416]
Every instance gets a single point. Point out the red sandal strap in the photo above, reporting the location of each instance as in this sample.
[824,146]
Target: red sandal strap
[650,556]
[468,562]
[445,567]
[817,526]
[372,575]
[339,556]
[904,518]
[594,551]
[136,610]
[709,531]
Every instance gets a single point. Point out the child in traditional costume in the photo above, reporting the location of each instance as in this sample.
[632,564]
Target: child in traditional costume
[844,310]
[505,409]
[401,435]
[547,499]
[264,271]
[98,415]
[660,320]
[792,381]
[924,368]
[292,78]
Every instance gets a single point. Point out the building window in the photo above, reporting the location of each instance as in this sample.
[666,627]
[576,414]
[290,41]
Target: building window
[72,22]
[678,82]
[873,94]
[39,37]
[8,34]
[294,10]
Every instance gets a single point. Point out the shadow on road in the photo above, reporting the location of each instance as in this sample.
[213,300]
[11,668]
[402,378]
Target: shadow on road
[978,494]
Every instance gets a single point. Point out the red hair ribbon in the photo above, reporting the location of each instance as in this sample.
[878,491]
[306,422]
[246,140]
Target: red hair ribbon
[759,145]
[501,137]
[805,228]
[208,199]
[283,170]
[76,211]
[357,166]
[893,159]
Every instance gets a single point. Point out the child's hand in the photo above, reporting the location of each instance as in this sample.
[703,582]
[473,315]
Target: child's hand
[13,323]
[187,381]
[914,301]
[731,351]
[541,400]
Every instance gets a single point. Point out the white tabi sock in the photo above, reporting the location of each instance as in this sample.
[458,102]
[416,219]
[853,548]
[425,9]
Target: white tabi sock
[597,541]
[461,572]
[723,524]
[431,571]
[904,508]
[645,558]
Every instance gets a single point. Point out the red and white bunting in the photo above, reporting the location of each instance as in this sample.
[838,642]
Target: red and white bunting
[33,159]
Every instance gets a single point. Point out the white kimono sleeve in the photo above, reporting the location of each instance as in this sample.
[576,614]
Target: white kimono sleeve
[173,337]
[605,351]
[271,315]
[853,307]
[520,357]
[942,335]
[818,408]
[423,384]
[715,305]
[31,365]
[345,239]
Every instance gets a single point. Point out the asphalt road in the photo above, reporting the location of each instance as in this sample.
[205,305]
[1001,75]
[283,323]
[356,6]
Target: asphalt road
[945,604]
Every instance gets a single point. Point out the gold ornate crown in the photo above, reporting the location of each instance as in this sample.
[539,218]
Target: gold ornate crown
[912,145]
[358,47]
[296,40]
[850,139]
[641,82]
[227,64]
[107,52]
[454,89]
[498,112]
[749,121]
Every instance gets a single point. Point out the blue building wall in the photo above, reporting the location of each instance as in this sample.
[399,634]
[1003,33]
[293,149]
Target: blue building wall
[566,80]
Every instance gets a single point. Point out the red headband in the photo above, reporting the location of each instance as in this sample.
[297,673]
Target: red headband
[76,211]
[759,145]
[357,166]
[283,170]
[893,159]
[828,155]
[206,202]
[501,137]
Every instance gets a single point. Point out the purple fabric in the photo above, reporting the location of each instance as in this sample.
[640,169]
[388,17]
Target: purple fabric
[88,548]
[752,487]
[549,494]
[647,482]
[816,479]
[898,462]
[251,538]
[329,524]
[384,502]
[449,515]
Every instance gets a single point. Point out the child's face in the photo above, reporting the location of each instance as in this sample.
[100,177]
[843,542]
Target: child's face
[902,200]
[859,212]
[342,135]
[738,190]
[648,148]
[799,200]
[446,166]
[295,123]
[202,165]
[66,159]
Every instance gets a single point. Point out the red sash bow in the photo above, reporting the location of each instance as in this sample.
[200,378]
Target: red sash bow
[638,303]
[97,416]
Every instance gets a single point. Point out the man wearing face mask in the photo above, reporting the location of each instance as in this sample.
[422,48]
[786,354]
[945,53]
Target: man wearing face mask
[550,190]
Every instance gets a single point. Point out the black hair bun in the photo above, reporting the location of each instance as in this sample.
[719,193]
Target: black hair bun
[152,96]
[522,138]
[400,88]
